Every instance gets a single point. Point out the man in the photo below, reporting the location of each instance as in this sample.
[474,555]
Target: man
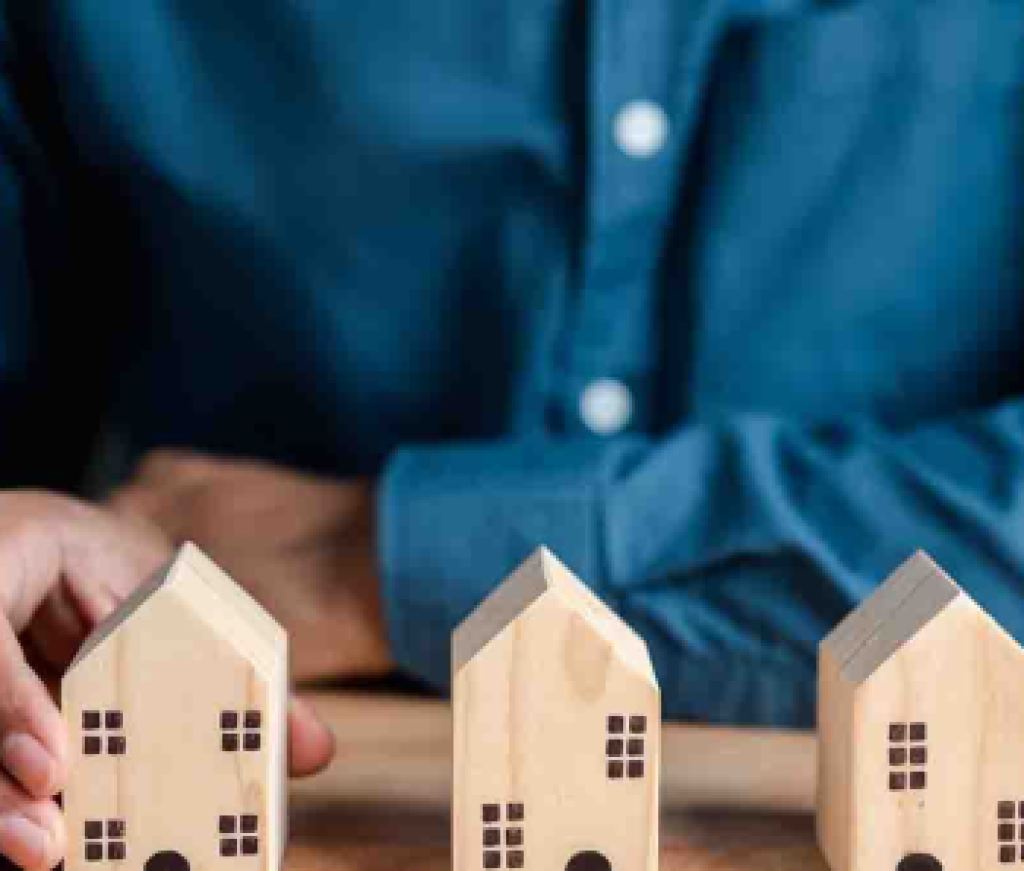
[720,300]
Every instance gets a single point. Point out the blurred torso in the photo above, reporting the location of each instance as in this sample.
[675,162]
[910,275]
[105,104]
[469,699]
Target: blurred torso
[342,227]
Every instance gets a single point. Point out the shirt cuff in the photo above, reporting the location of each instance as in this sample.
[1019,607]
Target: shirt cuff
[453,521]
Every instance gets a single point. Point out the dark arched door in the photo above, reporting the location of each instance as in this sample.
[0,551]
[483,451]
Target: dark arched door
[588,860]
[919,862]
[167,860]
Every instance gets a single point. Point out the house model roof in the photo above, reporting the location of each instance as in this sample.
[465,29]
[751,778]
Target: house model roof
[214,598]
[542,576]
[918,591]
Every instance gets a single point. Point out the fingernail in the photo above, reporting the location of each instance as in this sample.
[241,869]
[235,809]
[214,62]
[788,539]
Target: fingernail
[22,841]
[29,763]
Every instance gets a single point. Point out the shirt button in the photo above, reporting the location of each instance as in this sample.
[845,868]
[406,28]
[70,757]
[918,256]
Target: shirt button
[606,406]
[641,128]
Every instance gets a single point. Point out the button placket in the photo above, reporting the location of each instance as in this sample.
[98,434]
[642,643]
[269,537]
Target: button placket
[630,164]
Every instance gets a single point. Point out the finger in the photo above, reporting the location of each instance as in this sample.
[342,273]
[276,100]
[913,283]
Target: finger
[32,833]
[24,843]
[310,742]
[26,760]
[33,743]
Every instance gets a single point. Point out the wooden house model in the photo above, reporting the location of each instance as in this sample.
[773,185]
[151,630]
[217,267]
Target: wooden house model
[176,713]
[556,731]
[921,732]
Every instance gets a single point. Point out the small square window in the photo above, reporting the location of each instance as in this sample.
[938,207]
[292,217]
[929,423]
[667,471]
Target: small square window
[1020,810]
[94,835]
[516,811]
[515,858]
[636,768]
[897,731]
[1007,854]
[918,780]
[492,837]
[250,845]
[95,721]
[638,724]
[613,747]
[226,824]
[1005,810]
[229,719]
[491,813]
[492,859]
[636,747]
[918,756]
[897,780]
[251,741]
[1007,831]
[229,742]
[252,719]
[514,837]
[228,847]
[898,756]
[918,732]
[250,822]
[1022,832]
[615,724]
[615,769]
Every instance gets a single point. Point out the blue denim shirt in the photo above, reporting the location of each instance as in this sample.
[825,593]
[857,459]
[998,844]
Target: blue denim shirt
[780,243]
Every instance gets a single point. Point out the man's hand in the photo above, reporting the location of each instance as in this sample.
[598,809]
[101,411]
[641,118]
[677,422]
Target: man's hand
[303,546]
[64,565]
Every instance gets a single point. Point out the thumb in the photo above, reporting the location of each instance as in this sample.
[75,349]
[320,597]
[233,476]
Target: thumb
[310,741]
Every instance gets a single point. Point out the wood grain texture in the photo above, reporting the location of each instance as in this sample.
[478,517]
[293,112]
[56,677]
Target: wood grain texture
[556,732]
[920,734]
[732,799]
[157,679]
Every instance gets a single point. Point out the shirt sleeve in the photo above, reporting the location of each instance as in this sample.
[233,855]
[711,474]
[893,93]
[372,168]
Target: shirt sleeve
[732,547]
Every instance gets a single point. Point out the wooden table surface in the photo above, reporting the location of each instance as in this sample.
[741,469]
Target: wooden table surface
[731,798]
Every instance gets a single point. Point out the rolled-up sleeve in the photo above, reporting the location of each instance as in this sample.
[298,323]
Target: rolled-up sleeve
[732,547]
